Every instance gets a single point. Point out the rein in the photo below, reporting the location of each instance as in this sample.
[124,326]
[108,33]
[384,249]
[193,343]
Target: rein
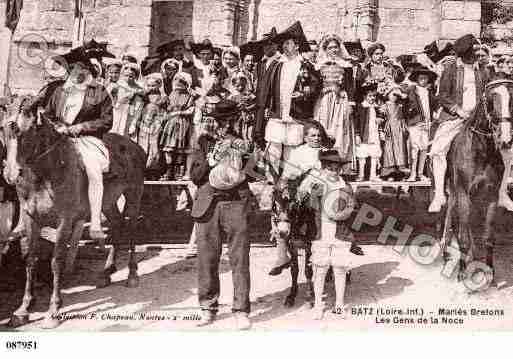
[46,152]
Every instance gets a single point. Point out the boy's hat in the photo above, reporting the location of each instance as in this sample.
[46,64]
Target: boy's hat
[109,62]
[331,156]
[224,110]
[422,70]
[184,77]
[368,86]
[355,49]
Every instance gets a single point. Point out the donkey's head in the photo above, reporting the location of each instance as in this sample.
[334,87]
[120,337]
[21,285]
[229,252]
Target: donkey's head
[19,132]
[499,110]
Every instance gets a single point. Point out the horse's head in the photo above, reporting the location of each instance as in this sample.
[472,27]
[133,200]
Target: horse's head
[19,130]
[499,110]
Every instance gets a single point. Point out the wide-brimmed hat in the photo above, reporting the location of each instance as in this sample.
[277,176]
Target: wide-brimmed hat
[168,47]
[331,156]
[223,110]
[422,70]
[465,44]
[97,50]
[256,48]
[367,87]
[355,48]
[373,47]
[295,31]
[206,44]
[77,55]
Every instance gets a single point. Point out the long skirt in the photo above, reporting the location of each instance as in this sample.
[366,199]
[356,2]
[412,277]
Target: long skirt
[332,113]
[395,153]
[175,135]
[146,136]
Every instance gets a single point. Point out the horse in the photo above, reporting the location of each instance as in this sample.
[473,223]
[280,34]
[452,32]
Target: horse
[52,188]
[289,215]
[475,167]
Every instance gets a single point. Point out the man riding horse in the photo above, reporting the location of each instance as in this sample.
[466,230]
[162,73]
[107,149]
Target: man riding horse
[461,87]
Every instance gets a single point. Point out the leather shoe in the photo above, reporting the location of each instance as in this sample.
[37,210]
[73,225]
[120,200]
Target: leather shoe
[277,270]
[356,249]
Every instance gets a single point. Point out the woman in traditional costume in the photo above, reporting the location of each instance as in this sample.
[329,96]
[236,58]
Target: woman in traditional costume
[336,101]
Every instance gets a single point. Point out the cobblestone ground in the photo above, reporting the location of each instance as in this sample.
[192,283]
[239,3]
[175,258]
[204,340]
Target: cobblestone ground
[383,280]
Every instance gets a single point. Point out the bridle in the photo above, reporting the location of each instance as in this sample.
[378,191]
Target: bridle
[492,128]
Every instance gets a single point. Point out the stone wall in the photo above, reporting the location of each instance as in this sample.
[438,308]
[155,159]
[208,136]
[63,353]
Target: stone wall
[46,28]
[171,20]
[406,24]
[5,38]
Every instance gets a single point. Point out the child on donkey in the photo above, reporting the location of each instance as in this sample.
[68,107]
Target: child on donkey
[333,201]
[419,112]
[367,122]
[395,152]
[246,103]
[176,135]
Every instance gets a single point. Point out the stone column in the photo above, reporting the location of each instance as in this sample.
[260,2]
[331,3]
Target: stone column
[364,15]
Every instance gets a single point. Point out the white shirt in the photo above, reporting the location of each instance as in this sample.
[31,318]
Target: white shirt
[75,95]
[424,100]
[302,159]
[469,88]
[289,74]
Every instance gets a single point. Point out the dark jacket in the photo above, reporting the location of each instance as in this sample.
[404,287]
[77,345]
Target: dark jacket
[450,93]
[361,121]
[413,111]
[207,197]
[95,116]
[301,108]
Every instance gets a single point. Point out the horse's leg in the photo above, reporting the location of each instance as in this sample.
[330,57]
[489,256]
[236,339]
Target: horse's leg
[464,237]
[294,272]
[310,296]
[445,239]
[63,233]
[489,238]
[132,208]
[21,315]
[78,229]
[115,219]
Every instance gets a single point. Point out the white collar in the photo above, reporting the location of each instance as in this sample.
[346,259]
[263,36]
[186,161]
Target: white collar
[339,61]
[368,105]
[81,86]
[284,58]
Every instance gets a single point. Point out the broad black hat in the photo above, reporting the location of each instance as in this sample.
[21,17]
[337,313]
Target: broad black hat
[331,156]
[465,44]
[206,44]
[224,110]
[353,47]
[422,70]
[295,32]
[168,47]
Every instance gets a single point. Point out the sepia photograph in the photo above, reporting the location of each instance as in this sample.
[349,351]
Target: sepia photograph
[255,165]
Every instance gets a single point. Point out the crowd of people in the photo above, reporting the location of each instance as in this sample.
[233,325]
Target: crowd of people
[322,113]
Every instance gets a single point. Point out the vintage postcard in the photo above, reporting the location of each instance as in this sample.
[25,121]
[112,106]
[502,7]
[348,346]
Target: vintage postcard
[214,165]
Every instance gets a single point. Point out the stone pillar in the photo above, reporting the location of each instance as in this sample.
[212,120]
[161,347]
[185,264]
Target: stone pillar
[365,15]
[5,43]
[459,17]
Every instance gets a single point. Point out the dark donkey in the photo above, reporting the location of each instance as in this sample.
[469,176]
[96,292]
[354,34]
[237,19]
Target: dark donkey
[294,220]
[475,171]
[52,188]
